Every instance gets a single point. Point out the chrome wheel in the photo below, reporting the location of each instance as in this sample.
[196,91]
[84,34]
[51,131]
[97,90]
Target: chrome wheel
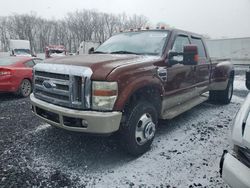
[139,130]
[145,129]
[25,88]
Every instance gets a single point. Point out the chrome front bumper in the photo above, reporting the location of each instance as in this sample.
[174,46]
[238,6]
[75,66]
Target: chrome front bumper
[70,119]
[233,172]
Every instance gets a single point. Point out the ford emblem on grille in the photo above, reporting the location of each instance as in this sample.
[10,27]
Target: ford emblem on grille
[48,84]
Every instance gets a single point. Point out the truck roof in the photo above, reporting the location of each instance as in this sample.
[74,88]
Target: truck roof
[174,30]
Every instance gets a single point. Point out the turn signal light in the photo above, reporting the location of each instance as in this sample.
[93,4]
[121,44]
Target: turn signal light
[104,92]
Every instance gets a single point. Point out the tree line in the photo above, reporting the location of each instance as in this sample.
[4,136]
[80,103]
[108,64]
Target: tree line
[75,27]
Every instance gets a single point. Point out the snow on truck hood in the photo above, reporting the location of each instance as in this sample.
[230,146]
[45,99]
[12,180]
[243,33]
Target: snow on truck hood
[102,64]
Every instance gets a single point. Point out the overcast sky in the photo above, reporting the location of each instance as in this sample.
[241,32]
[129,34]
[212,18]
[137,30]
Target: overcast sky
[216,18]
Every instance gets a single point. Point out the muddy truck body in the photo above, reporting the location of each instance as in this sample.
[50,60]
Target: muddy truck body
[130,82]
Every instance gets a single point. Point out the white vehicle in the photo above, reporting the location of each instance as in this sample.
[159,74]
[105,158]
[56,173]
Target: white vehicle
[20,48]
[235,169]
[85,46]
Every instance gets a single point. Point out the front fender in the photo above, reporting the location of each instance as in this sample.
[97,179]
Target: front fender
[132,85]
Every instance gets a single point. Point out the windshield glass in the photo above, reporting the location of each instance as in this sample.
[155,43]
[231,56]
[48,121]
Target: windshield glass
[22,51]
[56,51]
[143,42]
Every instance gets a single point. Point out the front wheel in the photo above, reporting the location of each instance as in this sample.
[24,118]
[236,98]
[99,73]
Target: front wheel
[139,130]
[25,88]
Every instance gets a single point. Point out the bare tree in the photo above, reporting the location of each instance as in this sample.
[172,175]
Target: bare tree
[78,26]
[25,27]
[4,34]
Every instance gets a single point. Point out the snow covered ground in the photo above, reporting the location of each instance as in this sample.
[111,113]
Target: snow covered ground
[185,152]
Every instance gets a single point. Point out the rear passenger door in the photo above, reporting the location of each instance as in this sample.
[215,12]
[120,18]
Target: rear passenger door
[203,67]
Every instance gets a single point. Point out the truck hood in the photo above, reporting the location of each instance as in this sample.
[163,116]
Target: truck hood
[101,64]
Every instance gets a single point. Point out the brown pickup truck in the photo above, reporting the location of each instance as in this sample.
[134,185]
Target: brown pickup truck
[129,82]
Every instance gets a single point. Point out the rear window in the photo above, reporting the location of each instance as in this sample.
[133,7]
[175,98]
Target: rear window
[5,61]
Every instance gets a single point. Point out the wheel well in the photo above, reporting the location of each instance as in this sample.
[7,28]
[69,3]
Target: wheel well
[148,93]
[28,79]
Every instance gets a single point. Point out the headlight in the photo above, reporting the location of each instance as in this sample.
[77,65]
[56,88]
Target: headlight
[104,95]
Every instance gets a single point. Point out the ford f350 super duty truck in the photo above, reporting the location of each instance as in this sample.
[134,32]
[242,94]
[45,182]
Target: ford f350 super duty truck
[128,83]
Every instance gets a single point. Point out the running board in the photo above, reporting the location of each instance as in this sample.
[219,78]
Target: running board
[177,110]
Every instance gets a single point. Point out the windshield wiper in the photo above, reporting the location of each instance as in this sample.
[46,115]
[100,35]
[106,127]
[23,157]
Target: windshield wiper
[123,52]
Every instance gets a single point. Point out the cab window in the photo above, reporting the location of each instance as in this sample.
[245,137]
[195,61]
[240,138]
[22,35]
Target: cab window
[178,46]
[179,43]
[201,48]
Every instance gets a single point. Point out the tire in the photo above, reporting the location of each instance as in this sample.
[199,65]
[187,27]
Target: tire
[224,96]
[139,129]
[25,88]
[248,80]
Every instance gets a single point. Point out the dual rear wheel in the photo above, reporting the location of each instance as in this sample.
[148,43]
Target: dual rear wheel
[223,96]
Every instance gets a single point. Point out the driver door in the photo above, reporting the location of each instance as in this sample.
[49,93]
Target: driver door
[180,78]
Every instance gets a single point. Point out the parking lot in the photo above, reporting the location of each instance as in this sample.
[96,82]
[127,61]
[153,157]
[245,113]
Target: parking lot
[185,152]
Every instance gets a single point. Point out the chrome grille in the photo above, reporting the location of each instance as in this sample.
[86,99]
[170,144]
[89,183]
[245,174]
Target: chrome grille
[63,85]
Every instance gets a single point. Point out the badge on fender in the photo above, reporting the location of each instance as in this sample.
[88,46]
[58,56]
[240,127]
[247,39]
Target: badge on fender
[162,73]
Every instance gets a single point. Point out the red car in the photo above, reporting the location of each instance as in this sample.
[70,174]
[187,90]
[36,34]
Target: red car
[16,74]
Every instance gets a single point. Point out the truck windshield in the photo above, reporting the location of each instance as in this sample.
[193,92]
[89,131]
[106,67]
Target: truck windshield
[141,42]
[22,51]
[56,51]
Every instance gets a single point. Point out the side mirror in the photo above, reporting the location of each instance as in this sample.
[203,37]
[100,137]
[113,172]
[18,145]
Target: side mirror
[91,50]
[175,57]
[248,79]
[190,55]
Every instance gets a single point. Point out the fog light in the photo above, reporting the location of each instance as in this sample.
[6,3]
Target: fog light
[84,123]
